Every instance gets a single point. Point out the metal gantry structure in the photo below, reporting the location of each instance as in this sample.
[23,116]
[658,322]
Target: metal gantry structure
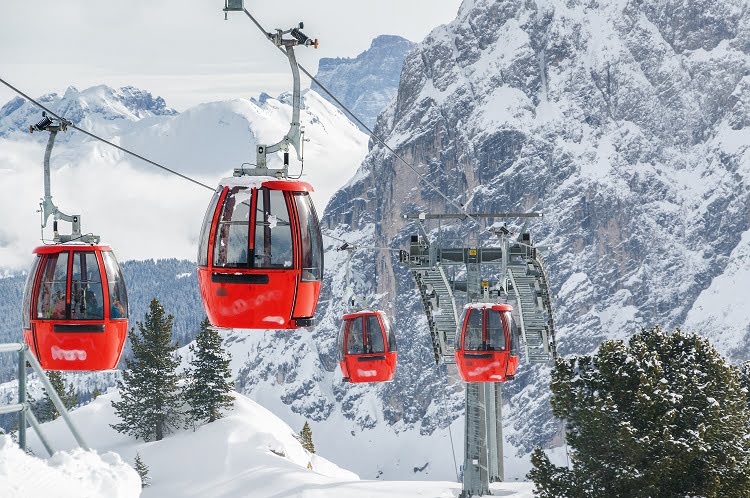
[447,274]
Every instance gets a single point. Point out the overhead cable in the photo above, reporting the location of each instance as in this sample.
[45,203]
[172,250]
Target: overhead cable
[367,128]
[92,135]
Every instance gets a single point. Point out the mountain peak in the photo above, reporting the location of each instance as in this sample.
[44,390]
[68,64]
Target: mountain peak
[94,104]
[368,82]
[389,40]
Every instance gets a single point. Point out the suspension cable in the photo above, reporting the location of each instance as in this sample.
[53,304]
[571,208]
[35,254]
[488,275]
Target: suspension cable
[367,128]
[450,432]
[92,135]
[149,161]
[348,245]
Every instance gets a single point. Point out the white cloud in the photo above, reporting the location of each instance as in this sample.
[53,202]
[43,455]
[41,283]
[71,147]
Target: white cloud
[146,214]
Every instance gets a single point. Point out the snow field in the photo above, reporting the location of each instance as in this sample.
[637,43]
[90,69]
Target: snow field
[249,453]
[78,473]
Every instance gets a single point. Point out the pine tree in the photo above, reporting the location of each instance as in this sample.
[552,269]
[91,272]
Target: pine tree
[151,399]
[745,379]
[142,470]
[95,393]
[209,384]
[68,397]
[663,415]
[306,439]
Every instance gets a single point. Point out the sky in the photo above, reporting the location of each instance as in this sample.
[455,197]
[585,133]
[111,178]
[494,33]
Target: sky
[184,50]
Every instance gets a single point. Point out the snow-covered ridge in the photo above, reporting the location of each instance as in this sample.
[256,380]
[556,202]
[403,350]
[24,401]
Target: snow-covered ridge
[97,108]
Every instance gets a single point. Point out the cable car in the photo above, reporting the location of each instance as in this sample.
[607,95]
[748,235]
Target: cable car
[487,343]
[260,256]
[367,347]
[75,307]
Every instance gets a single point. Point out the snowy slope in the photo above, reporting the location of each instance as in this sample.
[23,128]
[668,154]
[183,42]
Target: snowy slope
[250,452]
[79,473]
[119,196]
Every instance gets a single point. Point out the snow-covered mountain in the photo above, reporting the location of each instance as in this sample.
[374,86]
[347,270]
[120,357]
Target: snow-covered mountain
[98,108]
[366,84]
[624,122]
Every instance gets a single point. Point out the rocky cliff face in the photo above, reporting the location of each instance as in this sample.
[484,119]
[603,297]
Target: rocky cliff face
[625,122]
[367,83]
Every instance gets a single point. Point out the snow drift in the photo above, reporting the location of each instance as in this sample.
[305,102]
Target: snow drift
[84,474]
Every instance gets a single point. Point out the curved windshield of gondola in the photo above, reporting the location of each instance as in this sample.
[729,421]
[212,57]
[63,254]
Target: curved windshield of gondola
[513,331]
[495,331]
[473,335]
[390,332]
[206,228]
[118,295]
[340,340]
[375,342]
[28,291]
[86,294]
[232,232]
[273,231]
[311,240]
[51,303]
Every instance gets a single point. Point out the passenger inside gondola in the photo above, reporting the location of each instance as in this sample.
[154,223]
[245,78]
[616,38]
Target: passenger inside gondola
[354,342]
[375,342]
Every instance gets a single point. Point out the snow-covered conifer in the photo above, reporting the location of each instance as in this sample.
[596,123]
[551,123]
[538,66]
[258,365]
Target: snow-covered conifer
[663,415]
[151,398]
[305,437]
[209,379]
[142,470]
[68,397]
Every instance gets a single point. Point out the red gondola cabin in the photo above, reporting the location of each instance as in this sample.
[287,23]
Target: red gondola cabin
[486,345]
[75,307]
[260,257]
[367,347]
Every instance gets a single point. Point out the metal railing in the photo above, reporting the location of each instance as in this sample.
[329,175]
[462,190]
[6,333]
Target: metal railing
[23,408]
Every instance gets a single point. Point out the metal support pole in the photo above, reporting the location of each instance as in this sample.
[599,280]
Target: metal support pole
[56,399]
[476,477]
[48,207]
[499,431]
[22,399]
[35,424]
[494,403]
[491,416]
